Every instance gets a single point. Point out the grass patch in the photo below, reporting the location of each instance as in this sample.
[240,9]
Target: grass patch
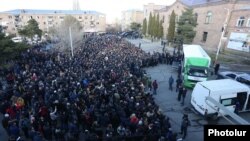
[223,58]
[234,52]
[229,56]
[246,61]
[227,59]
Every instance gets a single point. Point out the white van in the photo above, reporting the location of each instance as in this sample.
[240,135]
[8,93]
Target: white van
[226,92]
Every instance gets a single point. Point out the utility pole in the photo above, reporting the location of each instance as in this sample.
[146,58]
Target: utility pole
[222,34]
[71,44]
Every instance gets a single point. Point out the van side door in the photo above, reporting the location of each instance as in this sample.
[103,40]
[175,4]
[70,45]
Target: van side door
[228,101]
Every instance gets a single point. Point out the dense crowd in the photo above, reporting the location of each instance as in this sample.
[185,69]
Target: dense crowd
[99,94]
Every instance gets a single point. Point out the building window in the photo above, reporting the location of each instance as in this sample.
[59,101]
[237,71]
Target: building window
[37,17]
[204,36]
[163,19]
[240,21]
[80,17]
[248,23]
[208,17]
[1,19]
[31,17]
[50,17]
[10,17]
[86,17]
[97,22]
[44,22]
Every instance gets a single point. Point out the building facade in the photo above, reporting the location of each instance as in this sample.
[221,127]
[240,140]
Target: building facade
[129,17]
[238,30]
[213,17]
[166,12]
[91,21]
[151,8]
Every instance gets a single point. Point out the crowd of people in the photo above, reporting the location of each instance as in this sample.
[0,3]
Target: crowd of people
[99,94]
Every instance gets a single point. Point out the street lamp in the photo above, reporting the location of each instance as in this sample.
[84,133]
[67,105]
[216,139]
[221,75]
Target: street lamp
[222,34]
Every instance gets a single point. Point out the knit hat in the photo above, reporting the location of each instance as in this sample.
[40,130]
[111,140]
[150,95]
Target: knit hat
[6,115]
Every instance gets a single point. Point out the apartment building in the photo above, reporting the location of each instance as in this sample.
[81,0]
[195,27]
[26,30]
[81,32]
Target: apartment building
[91,21]
[214,17]
[237,33]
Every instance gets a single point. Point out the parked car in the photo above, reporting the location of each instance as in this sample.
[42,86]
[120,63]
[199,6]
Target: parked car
[238,76]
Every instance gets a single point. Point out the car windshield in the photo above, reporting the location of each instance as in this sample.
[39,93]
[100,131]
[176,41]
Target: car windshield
[198,72]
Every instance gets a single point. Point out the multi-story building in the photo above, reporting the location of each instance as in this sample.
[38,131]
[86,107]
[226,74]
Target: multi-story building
[237,33]
[91,21]
[219,21]
[131,16]
[151,8]
[166,12]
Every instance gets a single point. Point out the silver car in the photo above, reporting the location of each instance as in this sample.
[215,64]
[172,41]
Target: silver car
[238,76]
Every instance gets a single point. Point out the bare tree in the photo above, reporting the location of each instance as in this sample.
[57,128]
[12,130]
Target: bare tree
[61,34]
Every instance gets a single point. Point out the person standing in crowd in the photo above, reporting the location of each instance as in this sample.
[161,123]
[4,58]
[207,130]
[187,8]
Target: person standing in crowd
[170,82]
[237,107]
[171,60]
[184,125]
[5,123]
[216,68]
[184,92]
[180,92]
[155,87]
[178,83]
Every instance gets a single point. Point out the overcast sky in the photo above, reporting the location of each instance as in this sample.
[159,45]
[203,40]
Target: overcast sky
[112,8]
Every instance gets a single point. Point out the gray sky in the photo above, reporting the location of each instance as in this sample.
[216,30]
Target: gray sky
[112,8]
